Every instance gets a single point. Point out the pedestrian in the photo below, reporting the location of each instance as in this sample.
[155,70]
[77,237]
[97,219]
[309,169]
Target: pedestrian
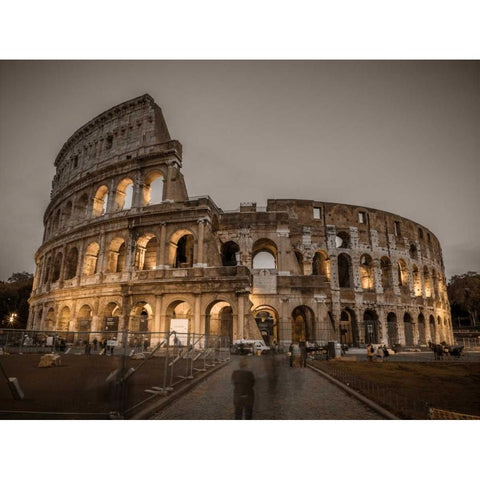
[95,342]
[386,354]
[243,381]
[370,352]
[379,354]
[290,354]
[303,354]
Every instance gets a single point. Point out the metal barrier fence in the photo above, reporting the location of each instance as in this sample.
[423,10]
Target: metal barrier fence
[109,374]
[398,404]
[438,414]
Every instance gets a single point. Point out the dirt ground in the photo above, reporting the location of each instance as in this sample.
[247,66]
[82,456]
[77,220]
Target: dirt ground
[444,385]
[77,386]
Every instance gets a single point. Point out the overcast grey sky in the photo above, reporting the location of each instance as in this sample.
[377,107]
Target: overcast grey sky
[398,136]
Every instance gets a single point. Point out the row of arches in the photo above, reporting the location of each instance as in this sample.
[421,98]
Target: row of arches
[115,198]
[180,255]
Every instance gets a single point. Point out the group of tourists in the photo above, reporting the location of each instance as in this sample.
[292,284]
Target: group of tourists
[297,353]
[378,354]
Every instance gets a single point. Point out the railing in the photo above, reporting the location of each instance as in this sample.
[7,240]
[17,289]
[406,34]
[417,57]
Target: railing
[468,343]
[102,374]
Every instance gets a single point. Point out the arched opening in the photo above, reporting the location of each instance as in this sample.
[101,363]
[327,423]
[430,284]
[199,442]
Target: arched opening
[440,329]
[386,267]
[266,319]
[50,319]
[57,267]
[56,221]
[344,271]
[402,274]
[408,326]
[321,264]
[100,202]
[303,320]
[413,252]
[348,328]
[71,263]
[342,240]
[64,320]
[264,254]
[116,256]
[370,321]
[153,188]
[422,339]
[392,329]
[91,259]
[219,320]
[417,281]
[181,249]
[435,283]
[230,254]
[299,258]
[124,195]
[66,214]
[84,323]
[146,252]
[366,272]
[427,282]
[47,271]
[81,206]
[179,319]
[433,330]
[111,317]
[139,324]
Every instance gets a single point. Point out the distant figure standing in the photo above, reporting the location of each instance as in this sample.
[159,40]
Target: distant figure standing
[290,353]
[95,342]
[243,381]
[303,353]
[370,352]
[386,354]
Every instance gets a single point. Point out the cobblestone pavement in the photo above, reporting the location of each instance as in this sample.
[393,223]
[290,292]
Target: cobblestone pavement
[281,393]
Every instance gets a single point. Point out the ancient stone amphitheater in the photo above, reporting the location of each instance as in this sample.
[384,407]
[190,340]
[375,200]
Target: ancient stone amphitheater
[125,247]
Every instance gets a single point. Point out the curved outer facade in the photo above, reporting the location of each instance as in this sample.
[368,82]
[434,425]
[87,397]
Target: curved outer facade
[295,270]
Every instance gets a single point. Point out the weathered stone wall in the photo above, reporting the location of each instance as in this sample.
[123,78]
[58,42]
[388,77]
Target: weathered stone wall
[338,272]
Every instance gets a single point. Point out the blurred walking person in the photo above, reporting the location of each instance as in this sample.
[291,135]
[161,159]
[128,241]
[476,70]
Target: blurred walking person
[243,381]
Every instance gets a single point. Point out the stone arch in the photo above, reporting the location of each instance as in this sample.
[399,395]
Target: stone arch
[71,263]
[402,273]
[84,322]
[153,188]
[303,324]
[264,254]
[140,320]
[100,201]
[124,194]
[386,268]
[392,329]
[180,309]
[57,267]
[116,255]
[91,259]
[371,325]
[342,240]
[230,252]
[366,272]
[56,221]
[344,264]
[422,338]
[48,270]
[111,317]
[50,319]
[413,252]
[81,207]
[146,252]
[408,328]
[64,319]
[266,318]
[435,283]
[219,319]
[427,282]
[321,264]
[417,281]
[348,327]
[433,328]
[66,214]
[181,249]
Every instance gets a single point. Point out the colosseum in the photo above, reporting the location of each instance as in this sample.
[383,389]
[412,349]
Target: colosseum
[125,247]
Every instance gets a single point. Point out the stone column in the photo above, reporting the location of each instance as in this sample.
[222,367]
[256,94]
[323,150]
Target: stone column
[196,315]
[238,335]
[156,327]
[285,327]
[377,276]
[162,247]
[200,246]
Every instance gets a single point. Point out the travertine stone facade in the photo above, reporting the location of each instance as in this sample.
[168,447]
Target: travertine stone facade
[125,244]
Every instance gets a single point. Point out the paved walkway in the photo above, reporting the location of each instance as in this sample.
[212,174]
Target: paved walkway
[281,393]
